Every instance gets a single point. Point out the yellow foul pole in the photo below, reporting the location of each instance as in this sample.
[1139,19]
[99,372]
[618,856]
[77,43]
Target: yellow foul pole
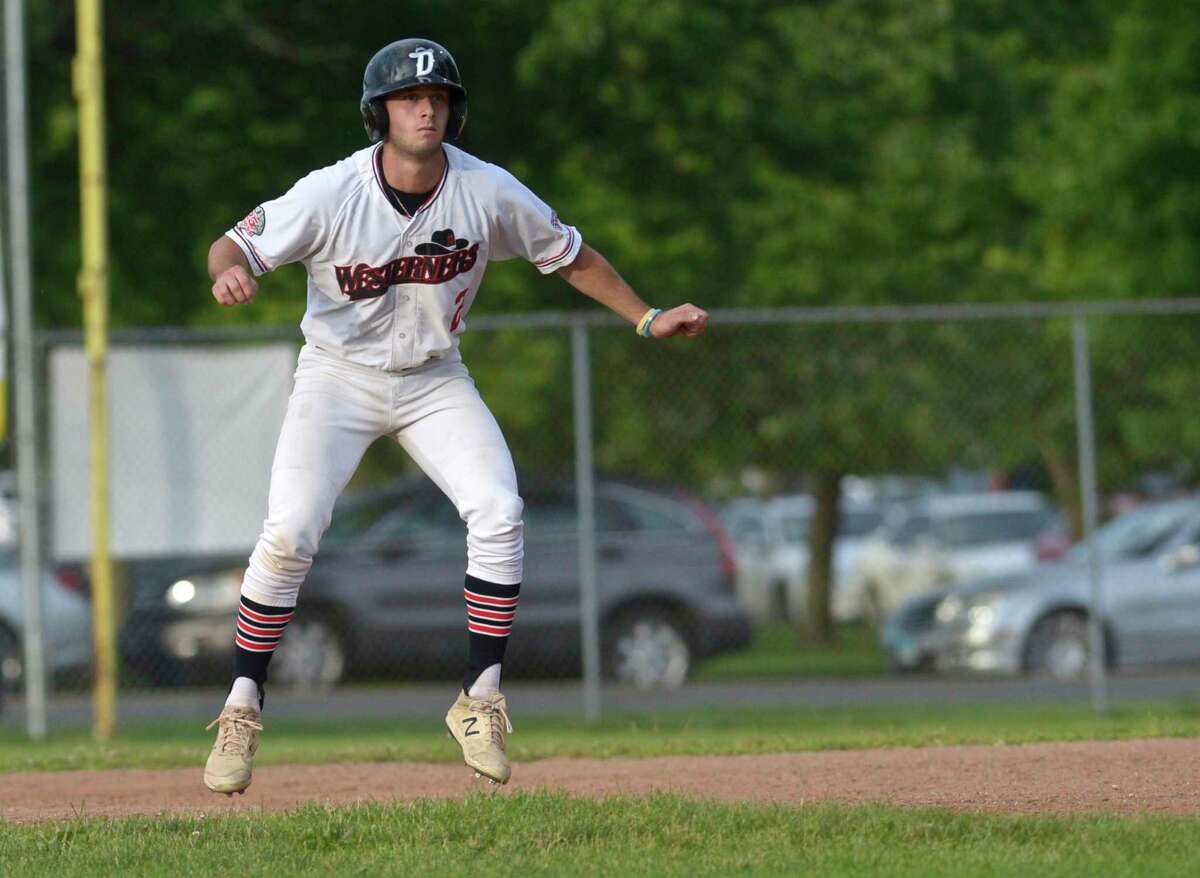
[88,80]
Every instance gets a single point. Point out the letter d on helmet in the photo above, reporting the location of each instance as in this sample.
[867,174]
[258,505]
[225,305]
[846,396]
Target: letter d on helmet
[408,64]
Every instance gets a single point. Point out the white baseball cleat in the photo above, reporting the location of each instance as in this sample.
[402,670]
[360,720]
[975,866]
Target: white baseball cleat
[479,726]
[231,761]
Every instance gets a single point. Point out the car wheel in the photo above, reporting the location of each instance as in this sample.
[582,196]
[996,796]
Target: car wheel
[1059,646]
[311,655]
[648,649]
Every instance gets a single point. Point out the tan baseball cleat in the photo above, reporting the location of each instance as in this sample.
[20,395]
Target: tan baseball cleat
[232,758]
[479,725]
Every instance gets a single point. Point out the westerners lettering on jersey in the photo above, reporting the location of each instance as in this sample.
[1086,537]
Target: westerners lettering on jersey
[364,281]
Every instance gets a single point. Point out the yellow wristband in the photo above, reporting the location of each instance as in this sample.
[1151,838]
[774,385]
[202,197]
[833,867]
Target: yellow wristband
[643,327]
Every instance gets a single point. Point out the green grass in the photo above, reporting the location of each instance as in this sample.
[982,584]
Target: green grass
[725,731]
[778,651]
[554,834]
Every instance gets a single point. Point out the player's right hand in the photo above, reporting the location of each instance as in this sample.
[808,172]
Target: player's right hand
[234,286]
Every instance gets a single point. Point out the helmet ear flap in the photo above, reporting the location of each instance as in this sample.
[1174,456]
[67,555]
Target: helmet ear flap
[458,118]
[379,120]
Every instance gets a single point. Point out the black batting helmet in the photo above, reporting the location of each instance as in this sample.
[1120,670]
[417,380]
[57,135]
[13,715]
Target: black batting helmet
[407,64]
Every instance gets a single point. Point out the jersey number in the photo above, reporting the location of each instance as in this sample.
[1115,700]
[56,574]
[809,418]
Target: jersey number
[461,301]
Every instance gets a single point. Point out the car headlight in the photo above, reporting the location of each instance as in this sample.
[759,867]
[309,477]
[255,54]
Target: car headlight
[981,616]
[182,592]
[981,612]
[949,609]
[210,593]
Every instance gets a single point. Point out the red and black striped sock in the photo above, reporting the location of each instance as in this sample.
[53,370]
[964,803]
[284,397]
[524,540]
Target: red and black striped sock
[490,612]
[259,628]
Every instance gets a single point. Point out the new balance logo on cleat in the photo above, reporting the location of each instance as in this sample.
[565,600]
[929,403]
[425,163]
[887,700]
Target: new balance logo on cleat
[479,725]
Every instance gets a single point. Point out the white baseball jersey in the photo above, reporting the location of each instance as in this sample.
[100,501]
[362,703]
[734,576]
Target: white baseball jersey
[391,291]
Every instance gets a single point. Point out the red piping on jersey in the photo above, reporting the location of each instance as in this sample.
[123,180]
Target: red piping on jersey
[377,166]
[253,252]
[565,250]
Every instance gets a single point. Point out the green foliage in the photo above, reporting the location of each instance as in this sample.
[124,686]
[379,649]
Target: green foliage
[778,652]
[747,153]
[213,108]
[1109,173]
[832,152]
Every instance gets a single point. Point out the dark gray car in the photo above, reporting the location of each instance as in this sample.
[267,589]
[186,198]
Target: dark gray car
[385,593]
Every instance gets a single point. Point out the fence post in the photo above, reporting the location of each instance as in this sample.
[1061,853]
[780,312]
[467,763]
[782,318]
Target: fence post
[585,493]
[1086,442]
[88,83]
[23,361]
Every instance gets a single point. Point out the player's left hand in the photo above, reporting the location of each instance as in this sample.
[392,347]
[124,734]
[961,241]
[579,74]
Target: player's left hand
[684,320]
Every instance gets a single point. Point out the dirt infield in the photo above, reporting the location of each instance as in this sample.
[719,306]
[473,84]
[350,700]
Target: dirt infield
[1132,777]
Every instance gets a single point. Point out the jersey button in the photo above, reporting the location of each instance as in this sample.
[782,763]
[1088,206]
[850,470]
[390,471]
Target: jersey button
[402,335]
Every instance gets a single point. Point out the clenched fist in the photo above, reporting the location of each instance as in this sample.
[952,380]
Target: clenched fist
[685,320]
[234,286]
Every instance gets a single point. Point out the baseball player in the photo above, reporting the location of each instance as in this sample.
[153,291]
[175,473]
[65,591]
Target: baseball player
[395,239]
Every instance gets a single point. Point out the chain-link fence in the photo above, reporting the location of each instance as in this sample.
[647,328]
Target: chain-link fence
[901,485]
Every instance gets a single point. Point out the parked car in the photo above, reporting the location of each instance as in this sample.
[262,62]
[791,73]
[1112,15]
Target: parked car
[940,541]
[385,592]
[772,550]
[67,621]
[909,637]
[1037,621]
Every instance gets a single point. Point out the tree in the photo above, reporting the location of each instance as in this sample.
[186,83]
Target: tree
[858,152]
[1108,172]
[848,153]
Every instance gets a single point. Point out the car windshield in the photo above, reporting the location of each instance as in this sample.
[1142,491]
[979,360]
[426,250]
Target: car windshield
[425,517]
[860,522]
[796,527]
[411,517]
[746,528]
[1137,534]
[991,527]
[355,516]
[907,530]
[558,517]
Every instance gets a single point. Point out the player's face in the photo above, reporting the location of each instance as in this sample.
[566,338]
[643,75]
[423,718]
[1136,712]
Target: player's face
[417,118]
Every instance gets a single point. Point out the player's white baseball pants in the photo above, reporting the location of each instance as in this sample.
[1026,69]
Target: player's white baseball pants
[336,410]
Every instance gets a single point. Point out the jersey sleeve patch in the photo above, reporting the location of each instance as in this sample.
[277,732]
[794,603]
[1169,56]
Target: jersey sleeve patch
[255,222]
